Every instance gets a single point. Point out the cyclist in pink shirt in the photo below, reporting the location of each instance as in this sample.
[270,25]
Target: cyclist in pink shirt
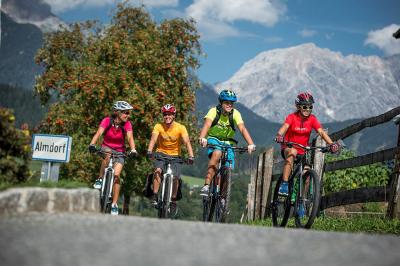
[115,129]
[297,128]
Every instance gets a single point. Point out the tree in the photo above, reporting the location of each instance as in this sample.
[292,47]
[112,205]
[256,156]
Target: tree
[14,150]
[89,66]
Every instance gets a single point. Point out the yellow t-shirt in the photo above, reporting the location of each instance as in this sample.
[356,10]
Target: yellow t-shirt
[222,130]
[169,139]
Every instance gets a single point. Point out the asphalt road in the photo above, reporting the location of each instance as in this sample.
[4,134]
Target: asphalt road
[65,239]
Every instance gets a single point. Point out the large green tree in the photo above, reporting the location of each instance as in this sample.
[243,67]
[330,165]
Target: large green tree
[88,66]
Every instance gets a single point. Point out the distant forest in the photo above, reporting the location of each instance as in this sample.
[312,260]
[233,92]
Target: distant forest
[26,106]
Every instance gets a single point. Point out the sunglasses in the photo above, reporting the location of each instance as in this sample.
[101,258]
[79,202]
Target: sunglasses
[126,112]
[227,102]
[306,107]
[168,114]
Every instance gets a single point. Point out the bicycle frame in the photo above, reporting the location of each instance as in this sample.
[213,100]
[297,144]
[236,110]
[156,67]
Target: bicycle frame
[107,170]
[304,191]
[166,186]
[214,199]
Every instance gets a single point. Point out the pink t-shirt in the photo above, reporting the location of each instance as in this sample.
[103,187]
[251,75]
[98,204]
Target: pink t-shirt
[114,137]
[300,128]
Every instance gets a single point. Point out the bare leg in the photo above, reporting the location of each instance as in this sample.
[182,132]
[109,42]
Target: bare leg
[117,187]
[212,166]
[290,154]
[156,180]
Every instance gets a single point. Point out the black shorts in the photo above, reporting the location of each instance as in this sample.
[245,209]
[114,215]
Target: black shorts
[176,167]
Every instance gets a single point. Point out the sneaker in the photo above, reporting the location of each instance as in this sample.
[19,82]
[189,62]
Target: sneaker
[154,200]
[204,190]
[98,183]
[114,209]
[173,210]
[300,211]
[283,189]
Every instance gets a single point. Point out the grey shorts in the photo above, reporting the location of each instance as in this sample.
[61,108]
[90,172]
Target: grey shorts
[176,167]
[120,160]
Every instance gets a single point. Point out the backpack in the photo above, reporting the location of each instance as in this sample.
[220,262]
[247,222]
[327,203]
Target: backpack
[111,124]
[230,116]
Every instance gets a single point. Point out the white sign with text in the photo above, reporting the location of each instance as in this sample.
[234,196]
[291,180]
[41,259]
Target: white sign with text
[51,148]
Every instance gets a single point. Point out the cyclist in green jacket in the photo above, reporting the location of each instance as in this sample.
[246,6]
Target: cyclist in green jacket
[219,129]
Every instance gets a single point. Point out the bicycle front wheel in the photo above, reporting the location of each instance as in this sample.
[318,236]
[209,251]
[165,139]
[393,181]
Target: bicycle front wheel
[163,211]
[307,200]
[209,202]
[280,206]
[105,203]
[222,208]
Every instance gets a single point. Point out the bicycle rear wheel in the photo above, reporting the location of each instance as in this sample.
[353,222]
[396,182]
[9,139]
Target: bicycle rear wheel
[223,201]
[280,206]
[307,200]
[105,203]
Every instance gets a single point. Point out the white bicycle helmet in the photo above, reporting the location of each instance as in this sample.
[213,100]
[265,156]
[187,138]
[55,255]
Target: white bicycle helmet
[122,106]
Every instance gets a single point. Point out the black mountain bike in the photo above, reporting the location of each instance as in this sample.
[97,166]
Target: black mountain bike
[106,190]
[165,191]
[304,192]
[216,203]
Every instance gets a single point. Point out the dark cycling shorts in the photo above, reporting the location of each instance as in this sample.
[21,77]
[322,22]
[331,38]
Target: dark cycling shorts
[176,167]
[120,159]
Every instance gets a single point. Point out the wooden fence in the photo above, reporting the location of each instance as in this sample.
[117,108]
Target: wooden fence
[269,169]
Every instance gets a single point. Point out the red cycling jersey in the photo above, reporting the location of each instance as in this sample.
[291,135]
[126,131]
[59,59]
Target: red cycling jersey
[300,128]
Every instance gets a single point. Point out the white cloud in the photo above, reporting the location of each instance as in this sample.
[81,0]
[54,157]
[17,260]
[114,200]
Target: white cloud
[307,33]
[383,39]
[59,6]
[215,18]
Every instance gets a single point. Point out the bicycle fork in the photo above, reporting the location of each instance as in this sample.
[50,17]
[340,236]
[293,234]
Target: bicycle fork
[107,170]
[167,175]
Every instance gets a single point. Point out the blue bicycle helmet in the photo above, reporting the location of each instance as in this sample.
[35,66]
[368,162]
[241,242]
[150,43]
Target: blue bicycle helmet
[227,95]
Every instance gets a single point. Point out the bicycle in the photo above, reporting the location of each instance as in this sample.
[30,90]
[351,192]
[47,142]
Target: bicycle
[304,191]
[218,197]
[106,190]
[165,196]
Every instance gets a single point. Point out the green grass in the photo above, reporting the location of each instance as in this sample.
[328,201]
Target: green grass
[355,224]
[47,184]
[191,181]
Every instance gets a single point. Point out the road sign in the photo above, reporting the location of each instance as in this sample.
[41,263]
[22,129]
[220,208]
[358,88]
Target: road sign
[51,148]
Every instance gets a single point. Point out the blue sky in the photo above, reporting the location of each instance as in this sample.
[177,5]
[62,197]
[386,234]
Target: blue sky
[235,31]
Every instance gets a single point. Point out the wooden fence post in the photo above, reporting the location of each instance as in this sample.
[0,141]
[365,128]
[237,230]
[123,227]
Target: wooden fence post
[266,190]
[393,210]
[251,194]
[259,184]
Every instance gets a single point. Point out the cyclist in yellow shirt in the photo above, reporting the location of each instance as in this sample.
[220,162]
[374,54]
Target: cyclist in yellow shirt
[168,136]
[219,127]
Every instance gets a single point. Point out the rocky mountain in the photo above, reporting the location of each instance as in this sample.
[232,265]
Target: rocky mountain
[345,87]
[23,23]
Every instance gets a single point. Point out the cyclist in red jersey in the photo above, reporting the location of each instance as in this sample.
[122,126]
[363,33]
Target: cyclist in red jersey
[297,128]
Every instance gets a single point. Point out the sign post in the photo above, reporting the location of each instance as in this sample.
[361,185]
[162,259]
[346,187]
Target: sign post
[52,150]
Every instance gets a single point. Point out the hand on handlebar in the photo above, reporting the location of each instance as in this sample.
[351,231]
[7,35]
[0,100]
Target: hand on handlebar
[190,160]
[334,147]
[92,148]
[251,148]
[150,155]
[132,153]
[279,138]
[203,142]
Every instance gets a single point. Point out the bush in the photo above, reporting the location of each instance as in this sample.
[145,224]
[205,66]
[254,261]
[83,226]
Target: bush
[364,176]
[14,150]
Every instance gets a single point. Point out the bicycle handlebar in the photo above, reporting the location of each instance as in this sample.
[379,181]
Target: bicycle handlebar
[307,148]
[226,147]
[170,159]
[112,153]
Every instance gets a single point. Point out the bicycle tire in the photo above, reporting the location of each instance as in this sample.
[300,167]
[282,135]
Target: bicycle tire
[280,206]
[209,202]
[224,199]
[105,202]
[310,201]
